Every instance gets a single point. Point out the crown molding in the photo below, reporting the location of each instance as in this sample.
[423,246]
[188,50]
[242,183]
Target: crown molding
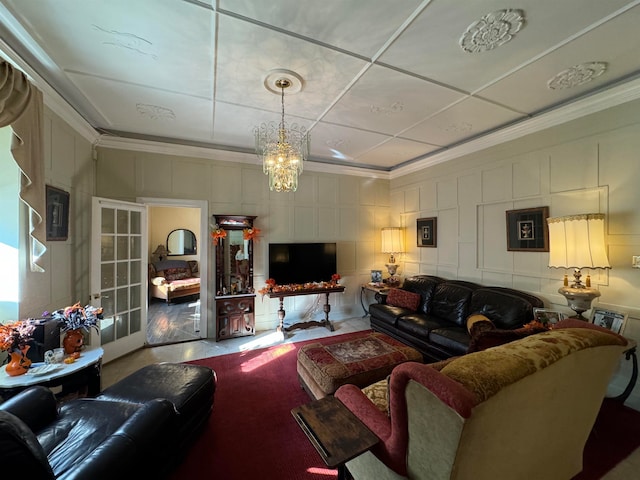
[597,102]
[51,98]
[218,154]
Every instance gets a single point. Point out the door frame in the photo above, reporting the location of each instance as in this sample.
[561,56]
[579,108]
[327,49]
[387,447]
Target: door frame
[203,250]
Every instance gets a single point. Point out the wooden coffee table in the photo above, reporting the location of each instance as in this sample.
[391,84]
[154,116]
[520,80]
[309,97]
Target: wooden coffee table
[337,434]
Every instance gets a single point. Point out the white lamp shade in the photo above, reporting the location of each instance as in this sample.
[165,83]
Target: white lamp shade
[577,241]
[392,240]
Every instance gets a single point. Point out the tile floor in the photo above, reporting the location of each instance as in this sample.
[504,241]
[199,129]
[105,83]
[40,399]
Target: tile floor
[117,369]
[180,352]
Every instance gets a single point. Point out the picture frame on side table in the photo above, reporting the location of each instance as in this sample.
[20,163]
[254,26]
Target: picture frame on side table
[57,215]
[614,321]
[527,230]
[376,276]
[545,315]
[427,232]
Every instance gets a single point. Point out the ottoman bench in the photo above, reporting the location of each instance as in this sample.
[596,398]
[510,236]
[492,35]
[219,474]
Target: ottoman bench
[324,366]
[189,387]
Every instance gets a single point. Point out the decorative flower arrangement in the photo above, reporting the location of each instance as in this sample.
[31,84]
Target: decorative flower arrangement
[537,325]
[272,286]
[77,317]
[16,336]
[217,233]
[250,233]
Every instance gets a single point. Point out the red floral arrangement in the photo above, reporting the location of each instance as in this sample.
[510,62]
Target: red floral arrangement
[16,336]
[250,233]
[218,233]
[335,277]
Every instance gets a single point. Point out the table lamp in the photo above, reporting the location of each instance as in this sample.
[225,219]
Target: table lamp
[392,243]
[577,241]
[160,253]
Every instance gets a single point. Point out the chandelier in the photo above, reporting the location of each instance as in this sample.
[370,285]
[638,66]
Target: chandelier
[282,148]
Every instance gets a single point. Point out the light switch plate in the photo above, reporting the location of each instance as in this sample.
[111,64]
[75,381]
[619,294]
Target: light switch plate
[635,261]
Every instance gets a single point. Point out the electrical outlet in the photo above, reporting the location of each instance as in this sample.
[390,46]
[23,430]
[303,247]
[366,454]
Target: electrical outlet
[635,261]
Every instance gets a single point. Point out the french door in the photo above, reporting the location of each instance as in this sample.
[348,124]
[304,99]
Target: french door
[119,274]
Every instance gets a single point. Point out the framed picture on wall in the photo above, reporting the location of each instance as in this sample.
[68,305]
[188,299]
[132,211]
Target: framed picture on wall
[527,230]
[57,215]
[614,321]
[427,232]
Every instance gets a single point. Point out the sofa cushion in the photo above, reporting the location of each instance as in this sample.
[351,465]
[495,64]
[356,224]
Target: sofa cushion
[425,285]
[387,314]
[452,339]
[504,309]
[493,338]
[419,325]
[398,297]
[451,302]
[172,274]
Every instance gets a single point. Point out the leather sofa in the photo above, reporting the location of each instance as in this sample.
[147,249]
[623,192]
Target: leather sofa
[128,430]
[436,325]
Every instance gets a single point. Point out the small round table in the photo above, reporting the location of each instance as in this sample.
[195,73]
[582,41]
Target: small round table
[83,374]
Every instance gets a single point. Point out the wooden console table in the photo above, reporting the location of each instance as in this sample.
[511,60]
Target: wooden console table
[311,291]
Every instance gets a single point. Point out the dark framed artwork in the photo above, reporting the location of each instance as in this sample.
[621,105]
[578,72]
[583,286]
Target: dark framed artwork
[527,230]
[57,217]
[427,232]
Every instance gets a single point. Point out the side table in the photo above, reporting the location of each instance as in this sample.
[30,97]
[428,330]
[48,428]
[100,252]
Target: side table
[380,292]
[630,353]
[336,433]
[84,373]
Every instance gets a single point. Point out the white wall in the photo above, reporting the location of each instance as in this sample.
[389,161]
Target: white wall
[68,166]
[163,220]
[589,165]
[345,209]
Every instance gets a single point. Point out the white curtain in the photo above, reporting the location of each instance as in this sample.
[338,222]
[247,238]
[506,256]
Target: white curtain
[21,107]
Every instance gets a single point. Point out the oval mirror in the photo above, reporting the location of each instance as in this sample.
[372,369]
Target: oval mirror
[181,242]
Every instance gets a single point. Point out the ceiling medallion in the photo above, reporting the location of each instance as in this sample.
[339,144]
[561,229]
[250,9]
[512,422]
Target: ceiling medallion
[155,112]
[577,75]
[462,127]
[283,148]
[395,107]
[492,30]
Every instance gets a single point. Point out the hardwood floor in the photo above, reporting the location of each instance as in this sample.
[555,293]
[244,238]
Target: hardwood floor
[176,322]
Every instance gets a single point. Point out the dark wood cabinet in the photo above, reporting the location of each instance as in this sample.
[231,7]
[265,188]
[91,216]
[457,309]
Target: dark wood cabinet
[234,292]
[235,316]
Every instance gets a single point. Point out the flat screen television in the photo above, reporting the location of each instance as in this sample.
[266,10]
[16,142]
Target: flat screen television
[302,262]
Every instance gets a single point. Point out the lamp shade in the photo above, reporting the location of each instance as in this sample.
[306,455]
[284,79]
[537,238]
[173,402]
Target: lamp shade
[392,240]
[577,241]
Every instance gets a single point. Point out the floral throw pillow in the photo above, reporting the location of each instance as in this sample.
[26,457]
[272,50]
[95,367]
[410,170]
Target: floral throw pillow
[176,274]
[403,298]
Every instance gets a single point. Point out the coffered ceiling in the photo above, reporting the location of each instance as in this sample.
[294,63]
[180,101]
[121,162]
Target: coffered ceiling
[385,84]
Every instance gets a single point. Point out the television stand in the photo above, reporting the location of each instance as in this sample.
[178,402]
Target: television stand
[310,291]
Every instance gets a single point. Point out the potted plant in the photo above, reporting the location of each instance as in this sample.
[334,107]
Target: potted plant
[15,338]
[74,320]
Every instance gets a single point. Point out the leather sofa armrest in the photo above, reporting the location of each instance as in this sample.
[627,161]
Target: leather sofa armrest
[35,406]
[142,436]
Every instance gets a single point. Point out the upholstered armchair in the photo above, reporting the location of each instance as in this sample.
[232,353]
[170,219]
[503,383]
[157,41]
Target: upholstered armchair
[519,410]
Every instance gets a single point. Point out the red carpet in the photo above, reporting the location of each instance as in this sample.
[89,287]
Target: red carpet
[252,435]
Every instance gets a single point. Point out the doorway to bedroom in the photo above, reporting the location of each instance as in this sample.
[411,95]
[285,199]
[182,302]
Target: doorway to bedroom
[177,252]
